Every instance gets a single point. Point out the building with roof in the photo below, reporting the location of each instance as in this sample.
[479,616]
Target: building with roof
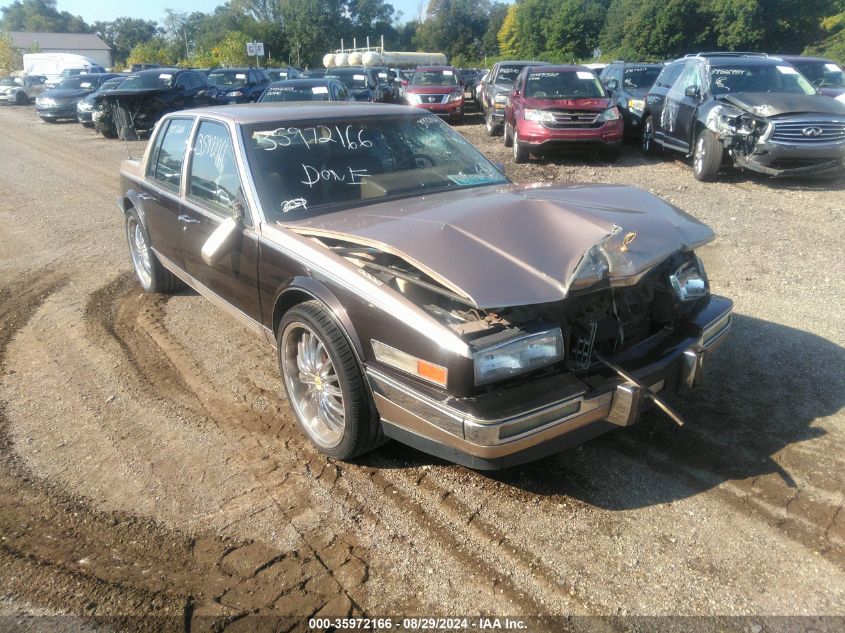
[90,45]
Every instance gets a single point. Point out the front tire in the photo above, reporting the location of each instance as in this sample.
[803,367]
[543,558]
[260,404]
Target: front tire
[707,157]
[507,136]
[647,143]
[324,383]
[152,276]
[21,99]
[489,124]
[520,151]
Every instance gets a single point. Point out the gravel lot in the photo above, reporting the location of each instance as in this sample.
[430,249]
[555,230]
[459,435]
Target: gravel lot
[150,467]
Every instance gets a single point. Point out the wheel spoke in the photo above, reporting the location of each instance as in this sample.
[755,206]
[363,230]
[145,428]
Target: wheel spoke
[329,416]
[333,391]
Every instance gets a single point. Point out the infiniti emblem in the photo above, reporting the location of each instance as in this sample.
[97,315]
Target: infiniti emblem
[812,131]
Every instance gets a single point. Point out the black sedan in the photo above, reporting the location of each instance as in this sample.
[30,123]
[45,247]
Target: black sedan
[306,90]
[60,102]
[85,106]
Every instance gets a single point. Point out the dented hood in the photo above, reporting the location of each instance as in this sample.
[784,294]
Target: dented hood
[776,104]
[516,244]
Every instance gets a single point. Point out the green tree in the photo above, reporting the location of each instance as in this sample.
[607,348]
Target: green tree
[664,28]
[232,50]
[508,36]
[124,34]
[573,29]
[313,27]
[490,39]
[40,15]
[777,26]
[10,56]
[153,51]
[454,27]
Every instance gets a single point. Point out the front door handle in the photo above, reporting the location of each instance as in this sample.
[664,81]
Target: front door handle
[146,196]
[187,219]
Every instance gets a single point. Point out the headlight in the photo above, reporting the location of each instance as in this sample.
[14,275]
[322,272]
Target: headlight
[501,98]
[689,282]
[611,114]
[637,105]
[518,356]
[84,106]
[412,98]
[236,93]
[456,96]
[540,116]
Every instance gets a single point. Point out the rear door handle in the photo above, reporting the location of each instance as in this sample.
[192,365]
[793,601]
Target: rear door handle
[187,219]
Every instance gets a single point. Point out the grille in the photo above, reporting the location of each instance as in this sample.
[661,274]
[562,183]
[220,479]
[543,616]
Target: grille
[809,131]
[573,119]
[432,98]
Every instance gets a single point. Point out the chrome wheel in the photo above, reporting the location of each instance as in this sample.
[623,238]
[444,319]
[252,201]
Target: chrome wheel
[313,384]
[700,152]
[140,252]
[515,145]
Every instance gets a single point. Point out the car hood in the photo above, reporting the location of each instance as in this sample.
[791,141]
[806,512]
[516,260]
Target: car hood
[67,93]
[776,104]
[832,92]
[432,90]
[599,104]
[517,244]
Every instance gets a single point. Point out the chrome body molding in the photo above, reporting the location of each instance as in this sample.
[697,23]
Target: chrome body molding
[350,277]
[205,291]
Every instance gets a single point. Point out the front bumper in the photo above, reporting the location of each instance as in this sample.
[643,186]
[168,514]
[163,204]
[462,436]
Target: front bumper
[450,109]
[786,159]
[501,429]
[539,137]
[65,111]
[85,116]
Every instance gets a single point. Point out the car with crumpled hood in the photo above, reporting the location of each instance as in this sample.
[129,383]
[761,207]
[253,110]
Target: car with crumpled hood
[60,102]
[561,107]
[759,111]
[143,97]
[437,89]
[410,291]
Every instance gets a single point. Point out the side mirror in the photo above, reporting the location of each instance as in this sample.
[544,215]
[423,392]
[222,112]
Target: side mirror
[612,84]
[692,92]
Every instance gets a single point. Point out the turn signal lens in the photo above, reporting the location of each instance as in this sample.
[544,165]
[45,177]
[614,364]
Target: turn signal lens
[410,364]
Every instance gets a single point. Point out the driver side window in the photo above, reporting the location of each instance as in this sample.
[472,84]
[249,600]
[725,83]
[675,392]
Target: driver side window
[213,177]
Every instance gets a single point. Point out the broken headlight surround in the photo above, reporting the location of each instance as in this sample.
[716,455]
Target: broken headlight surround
[740,125]
[611,114]
[689,282]
[517,356]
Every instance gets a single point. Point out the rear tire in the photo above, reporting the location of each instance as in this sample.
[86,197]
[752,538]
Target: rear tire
[707,156]
[321,378]
[152,276]
[21,98]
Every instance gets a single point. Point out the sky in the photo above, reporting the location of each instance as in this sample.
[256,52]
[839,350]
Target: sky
[93,10]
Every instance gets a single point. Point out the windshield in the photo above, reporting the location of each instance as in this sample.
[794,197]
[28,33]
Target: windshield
[277,75]
[227,78]
[80,82]
[147,80]
[507,74]
[8,81]
[567,84]
[822,74]
[295,93]
[641,76]
[110,84]
[434,78]
[320,166]
[352,79]
[758,78]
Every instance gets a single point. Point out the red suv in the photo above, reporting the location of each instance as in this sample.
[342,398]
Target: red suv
[438,89]
[561,106]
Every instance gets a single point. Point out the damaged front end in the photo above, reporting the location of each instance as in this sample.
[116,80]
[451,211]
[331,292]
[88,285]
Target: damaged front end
[739,131]
[127,116]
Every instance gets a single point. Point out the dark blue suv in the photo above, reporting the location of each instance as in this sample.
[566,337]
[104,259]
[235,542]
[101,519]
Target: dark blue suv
[237,85]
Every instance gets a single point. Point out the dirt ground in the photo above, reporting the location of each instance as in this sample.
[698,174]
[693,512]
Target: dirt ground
[151,470]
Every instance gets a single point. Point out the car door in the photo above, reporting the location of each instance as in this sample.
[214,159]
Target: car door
[656,99]
[161,190]
[213,188]
[684,106]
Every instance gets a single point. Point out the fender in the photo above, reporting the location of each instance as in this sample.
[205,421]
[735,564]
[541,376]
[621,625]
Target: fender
[134,200]
[290,294]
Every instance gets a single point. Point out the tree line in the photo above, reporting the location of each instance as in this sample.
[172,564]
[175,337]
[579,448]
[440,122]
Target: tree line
[470,32]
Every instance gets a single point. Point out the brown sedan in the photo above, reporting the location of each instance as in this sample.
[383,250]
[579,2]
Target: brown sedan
[410,290]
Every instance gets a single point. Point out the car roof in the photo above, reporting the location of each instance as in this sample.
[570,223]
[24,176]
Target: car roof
[303,81]
[522,63]
[155,71]
[561,67]
[804,58]
[248,113]
[432,68]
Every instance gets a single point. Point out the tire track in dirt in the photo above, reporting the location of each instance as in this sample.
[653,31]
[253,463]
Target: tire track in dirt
[481,548]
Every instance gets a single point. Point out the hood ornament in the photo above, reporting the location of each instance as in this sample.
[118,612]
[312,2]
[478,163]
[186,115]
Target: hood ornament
[626,241]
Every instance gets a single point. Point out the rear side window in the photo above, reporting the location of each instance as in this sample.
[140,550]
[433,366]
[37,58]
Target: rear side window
[668,76]
[214,175]
[171,153]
